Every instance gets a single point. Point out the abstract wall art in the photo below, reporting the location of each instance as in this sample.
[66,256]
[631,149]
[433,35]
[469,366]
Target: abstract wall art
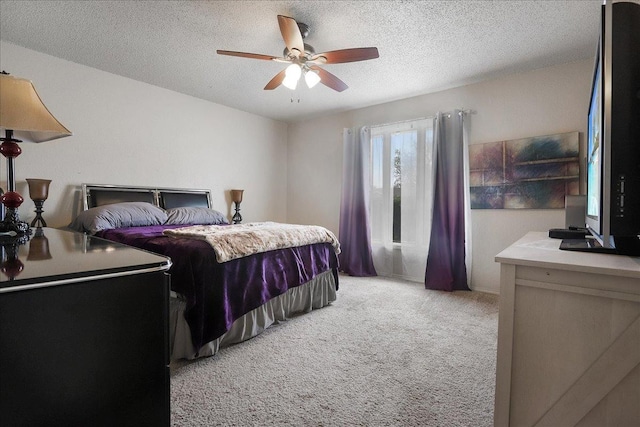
[528,173]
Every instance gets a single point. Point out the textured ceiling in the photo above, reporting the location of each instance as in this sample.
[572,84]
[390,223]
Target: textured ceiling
[424,46]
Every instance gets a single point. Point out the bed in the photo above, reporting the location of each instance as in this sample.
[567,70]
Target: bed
[214,302]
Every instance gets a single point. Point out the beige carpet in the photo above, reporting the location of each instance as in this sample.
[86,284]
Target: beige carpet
[386,353]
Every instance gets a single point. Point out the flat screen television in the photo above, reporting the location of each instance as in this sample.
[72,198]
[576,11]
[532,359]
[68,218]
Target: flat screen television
[613,136]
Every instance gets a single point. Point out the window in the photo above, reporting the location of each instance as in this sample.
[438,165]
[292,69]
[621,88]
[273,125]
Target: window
[401,197]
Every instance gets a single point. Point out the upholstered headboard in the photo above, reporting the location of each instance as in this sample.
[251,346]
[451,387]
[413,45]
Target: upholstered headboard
[101,194]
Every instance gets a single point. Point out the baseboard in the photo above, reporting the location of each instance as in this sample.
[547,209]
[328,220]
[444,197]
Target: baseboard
[485,290]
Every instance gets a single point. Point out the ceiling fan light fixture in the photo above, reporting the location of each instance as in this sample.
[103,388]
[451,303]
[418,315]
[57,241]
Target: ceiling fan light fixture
[292,75]
[293,71]
[311,78]
[290,83]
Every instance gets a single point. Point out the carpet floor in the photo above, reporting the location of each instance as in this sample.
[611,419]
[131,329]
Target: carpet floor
[386,353]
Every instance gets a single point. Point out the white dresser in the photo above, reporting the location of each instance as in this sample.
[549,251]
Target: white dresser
[568,337]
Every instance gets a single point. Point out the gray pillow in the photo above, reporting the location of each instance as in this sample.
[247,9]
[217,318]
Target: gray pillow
[194,215]
[118,215]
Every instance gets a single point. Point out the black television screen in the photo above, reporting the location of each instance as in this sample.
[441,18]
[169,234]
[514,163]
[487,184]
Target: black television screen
[594,162]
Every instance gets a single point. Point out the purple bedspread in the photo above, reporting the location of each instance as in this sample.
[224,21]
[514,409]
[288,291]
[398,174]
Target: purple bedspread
[219,293]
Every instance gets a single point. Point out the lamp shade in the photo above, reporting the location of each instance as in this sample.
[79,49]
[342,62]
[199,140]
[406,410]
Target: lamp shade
[23,112]
[293,71]
[236,195]
[38,188]
[311,78]
[292,75]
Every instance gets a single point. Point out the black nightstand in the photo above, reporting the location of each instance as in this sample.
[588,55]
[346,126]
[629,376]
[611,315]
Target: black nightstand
[83,333]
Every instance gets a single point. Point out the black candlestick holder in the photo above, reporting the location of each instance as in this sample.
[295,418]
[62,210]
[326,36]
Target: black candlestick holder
[39,192]
[236,198]
[38,221]
[237,218]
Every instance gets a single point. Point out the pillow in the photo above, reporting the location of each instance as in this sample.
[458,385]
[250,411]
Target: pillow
[118,215]
[194,215]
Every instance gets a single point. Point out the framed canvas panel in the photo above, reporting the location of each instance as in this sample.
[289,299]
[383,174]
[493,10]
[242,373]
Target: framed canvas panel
[528,173]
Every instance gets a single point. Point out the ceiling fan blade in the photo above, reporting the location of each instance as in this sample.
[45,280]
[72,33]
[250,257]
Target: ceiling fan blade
[276,80]
[329,80]
[291,34]
[346,55]
[246,55]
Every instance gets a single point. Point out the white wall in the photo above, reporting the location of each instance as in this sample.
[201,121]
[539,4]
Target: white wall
[132,133]
[542,102]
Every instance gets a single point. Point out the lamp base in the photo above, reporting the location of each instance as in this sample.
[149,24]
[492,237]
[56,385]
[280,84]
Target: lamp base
[10,264]
[11,228]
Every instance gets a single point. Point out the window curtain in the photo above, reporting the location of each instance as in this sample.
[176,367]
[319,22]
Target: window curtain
[401,197]
[446,267]
[354,234]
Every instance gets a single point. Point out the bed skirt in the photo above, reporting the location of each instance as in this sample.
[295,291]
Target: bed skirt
[316,293]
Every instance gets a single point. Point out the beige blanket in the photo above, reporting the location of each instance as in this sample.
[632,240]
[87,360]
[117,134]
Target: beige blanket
[239,240]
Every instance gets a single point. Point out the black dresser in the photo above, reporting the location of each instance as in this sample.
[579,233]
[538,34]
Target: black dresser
[83,333]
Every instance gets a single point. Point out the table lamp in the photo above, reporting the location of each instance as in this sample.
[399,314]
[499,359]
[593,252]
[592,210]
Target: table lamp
[23,117]
[236,197]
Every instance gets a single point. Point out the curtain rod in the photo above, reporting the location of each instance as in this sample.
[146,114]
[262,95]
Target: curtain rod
[418,119]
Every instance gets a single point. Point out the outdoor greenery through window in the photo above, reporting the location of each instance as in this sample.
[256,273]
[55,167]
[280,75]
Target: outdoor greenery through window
[401,195]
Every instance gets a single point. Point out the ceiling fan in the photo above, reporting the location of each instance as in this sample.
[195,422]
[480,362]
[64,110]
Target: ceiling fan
[304,60]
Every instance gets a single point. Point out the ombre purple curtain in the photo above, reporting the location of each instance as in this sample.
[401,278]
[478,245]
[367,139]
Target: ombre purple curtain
[355,241]
[446,268]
